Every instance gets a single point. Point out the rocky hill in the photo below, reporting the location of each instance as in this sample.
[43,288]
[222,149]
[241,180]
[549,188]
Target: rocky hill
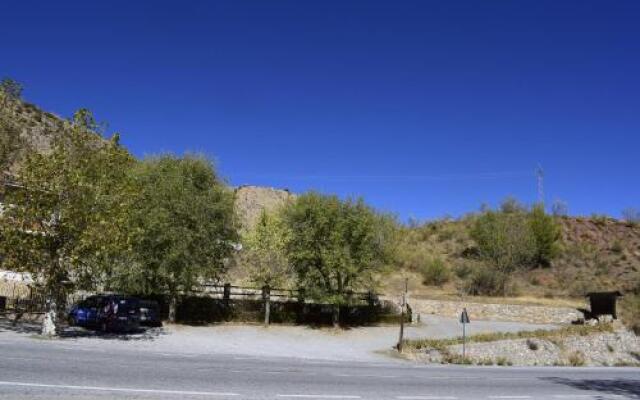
[25,127]
[252,200]
[597,253]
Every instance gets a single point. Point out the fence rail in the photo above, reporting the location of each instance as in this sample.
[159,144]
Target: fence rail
[30,299]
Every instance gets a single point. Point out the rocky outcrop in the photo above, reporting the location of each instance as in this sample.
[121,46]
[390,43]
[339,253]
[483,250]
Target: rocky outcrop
[250,201]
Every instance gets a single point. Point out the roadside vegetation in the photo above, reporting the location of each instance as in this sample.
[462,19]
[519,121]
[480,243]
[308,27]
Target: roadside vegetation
[90,216]
[548,334]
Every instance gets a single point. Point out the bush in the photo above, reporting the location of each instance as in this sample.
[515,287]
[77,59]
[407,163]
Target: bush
[630,311]
[435,272]
[617,247]
[503,361]
[576,359]
[485,282]
[463,270]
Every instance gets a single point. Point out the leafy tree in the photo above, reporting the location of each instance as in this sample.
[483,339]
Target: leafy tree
[181,228]
[546,234]
[59,225]
[11,88]
[264,251]
[504,241]
[336,246]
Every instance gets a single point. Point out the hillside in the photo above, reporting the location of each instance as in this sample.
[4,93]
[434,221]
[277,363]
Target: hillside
[250,201]
[25,127]
[596,254]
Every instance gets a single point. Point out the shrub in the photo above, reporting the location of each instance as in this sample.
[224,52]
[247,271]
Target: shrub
[502,361]
[616,247]
[449,358]
[546,235]
[435,272]
[485,282]
[532,345]
[463,270]
[630,311]
[576,359]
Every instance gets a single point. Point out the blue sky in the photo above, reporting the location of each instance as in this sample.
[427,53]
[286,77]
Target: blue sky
[424,108]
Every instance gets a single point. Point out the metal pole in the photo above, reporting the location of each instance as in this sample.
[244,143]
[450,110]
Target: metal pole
[464,339]
[402,314]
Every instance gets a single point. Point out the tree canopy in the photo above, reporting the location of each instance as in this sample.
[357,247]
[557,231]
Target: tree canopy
[336,246]
[180,223]
[60,225]
[264,251]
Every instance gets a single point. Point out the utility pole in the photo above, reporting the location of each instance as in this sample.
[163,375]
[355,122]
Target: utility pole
[402,314]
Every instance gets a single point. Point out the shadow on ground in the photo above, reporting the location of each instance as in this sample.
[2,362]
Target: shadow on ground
[606,387]
[66,332]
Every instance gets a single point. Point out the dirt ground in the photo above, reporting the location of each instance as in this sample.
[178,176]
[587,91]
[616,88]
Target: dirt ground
[355,344]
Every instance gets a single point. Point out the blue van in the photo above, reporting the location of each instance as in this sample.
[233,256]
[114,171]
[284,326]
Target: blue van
[110,312]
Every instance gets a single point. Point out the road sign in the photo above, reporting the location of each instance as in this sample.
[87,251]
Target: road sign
[464,317]
[464,320]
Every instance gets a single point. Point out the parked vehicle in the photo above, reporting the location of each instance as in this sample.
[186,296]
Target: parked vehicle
[111,312]
[150,313]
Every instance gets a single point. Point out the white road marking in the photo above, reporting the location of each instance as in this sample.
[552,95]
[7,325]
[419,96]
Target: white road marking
[509,397]
[319,396]
[574,396]
[109,389]
[426,398]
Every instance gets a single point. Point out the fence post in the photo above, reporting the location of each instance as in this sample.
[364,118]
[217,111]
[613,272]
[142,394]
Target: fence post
[370,299]
[266,296]
[226,296]
[301,305]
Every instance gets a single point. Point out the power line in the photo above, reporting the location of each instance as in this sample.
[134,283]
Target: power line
[440,177]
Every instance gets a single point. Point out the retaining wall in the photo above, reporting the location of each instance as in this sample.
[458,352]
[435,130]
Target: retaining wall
[497,312]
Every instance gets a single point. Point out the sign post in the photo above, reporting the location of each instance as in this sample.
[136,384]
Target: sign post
[402,315]
[464,320]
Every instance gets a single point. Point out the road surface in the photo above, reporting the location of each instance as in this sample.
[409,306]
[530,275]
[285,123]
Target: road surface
[62,369]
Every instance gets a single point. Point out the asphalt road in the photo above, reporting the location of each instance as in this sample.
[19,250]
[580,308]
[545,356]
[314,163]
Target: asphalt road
[61,369]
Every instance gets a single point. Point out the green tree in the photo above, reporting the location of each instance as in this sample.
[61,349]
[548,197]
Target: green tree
[546,234]
[59,225]
[504,241]
[264,251]
[336,246]
[181,228]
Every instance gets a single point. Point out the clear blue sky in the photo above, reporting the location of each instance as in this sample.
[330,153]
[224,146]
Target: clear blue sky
[424,108]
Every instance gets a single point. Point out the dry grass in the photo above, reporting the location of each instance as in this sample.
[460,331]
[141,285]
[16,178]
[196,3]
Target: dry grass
[394,285]
[553,335]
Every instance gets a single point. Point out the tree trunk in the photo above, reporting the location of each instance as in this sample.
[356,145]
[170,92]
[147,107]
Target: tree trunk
[50,318]
[173,305]
[336,315]
[266,296]
[267,312]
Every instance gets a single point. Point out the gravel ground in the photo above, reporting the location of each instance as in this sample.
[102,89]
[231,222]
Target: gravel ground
[356,344]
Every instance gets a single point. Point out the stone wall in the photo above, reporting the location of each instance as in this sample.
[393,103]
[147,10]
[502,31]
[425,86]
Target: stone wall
[496,312]
[619,348]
